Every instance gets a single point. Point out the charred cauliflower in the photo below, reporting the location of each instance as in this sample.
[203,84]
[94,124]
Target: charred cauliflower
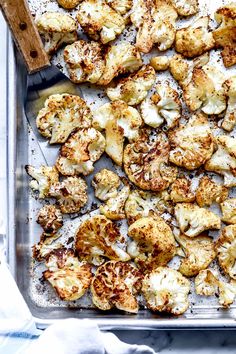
[61,115]
[97,238]
[160,63]
[226,250]
[114,208]
[80,151]
[192,143]
[164,105]
[152,244]
[186,7]
[69,277]
[199,253]
[46,245]
[84,61]
[115,284]
[56,29]
[134,88]
[225,34]
[223,161]
[141,204]
[50,219]
[155,21]
[209,192]
[166,290]
[229,121]
[146,162]
[68,4]
[99,20]
[120,59]
[195,39]
[228,208]
[193,220]
[119,121]
[120,6]
[71,194]
[181,191]
[106,184]
[43,178]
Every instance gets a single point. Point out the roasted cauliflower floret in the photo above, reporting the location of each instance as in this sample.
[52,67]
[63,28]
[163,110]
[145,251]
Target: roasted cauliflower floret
[152,244]
[229,121]
[96,239]
[115,284]
[84,61]
[61,115]
[223,161]
[43,178]
[46,245]
[225,34]
[226,250]
[134,88]
[68,4]
[209,192]
[120,6]
[99,20]
[50,219]
[163,106]
[71,194]
[114,208]
[106,184]
[56,29]
[141,204]
[69,277]
[166,290]
[181,191]
[80,151]
[199,253]
[185,7]
[195,39]
[179,68]
[119,121]
[192,143]
[228,208]
[160,63]
[155,21]
[119,59]
[146,162]
[193,220]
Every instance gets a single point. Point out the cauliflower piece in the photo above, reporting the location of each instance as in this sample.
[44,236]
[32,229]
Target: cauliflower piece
[120,59]
[134,88]
[223,161]
[45,246]
[146,162]
[228,208]
[80,151]
[115,284]
[119,121]
[84,61]
[186,7]
[97,238]
[50,219]
[69,4]
[193,220]
[69,277]
[141,204]
[43,178]
[56,29]
[181,191]
[225,34]
[226,250]
[229,121]
[192,144]
[227,293]
[160,63]
[155,21]
[199,253]
[71,194]
[195,39]
[99,20]
[106,184]
[153,243]
[114,208]
[120,6]
[164,105]
[61,115]
[209,192]
[166,290]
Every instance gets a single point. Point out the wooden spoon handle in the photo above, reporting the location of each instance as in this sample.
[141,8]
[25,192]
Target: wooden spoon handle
[27,38]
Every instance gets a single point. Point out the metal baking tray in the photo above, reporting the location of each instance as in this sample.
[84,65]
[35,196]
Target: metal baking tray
[23,232]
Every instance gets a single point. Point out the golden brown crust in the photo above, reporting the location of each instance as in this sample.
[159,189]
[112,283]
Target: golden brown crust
[209,192]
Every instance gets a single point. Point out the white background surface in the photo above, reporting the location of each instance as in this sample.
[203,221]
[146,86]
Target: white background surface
[210,342]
